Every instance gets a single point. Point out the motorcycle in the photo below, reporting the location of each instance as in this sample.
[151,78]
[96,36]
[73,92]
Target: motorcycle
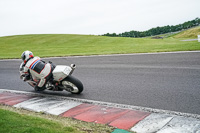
[62,79]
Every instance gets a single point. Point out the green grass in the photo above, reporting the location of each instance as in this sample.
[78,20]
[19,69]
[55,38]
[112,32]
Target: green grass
[47,45]
[190,33]
[13,120]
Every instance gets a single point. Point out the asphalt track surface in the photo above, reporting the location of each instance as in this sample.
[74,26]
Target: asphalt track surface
[169,81]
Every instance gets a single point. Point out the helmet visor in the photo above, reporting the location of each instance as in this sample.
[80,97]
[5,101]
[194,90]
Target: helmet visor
[23,56]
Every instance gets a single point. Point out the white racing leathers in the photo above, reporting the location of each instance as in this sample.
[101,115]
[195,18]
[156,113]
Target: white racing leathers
[39,70]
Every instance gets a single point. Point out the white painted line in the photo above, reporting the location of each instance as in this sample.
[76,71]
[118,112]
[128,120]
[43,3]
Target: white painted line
[43,105]
[162,123]
[182,125]
[28,102]
[152,123]
[124,66]
[115,105]
[108,55]
[86,56]
[67,105]
[10,60]
[49,105]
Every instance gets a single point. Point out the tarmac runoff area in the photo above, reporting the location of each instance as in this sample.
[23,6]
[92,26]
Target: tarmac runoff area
[124,117]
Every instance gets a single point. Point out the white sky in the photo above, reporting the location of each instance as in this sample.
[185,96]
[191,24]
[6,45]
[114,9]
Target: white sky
[92,16]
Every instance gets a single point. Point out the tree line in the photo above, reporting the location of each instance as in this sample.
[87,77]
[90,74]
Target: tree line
[158,30]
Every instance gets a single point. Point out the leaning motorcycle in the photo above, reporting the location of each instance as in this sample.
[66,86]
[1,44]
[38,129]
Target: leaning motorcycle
[62,79]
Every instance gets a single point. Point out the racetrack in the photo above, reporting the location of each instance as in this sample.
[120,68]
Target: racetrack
[169,81]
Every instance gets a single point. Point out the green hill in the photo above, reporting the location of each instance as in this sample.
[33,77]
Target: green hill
[190,33]
[48,45]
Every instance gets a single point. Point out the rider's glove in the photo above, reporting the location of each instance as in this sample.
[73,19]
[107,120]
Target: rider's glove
[26,77]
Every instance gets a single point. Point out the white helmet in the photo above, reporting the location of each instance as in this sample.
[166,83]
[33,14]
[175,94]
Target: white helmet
[26,55]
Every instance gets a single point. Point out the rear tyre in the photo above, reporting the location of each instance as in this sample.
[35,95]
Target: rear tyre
[72,85]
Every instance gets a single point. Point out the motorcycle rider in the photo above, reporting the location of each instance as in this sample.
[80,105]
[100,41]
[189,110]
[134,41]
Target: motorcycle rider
[38,69]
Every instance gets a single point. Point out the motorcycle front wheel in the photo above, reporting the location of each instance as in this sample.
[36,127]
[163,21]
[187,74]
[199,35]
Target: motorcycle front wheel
[72,85]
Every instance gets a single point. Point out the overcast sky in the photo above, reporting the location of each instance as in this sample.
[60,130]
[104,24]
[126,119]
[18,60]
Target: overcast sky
[93,17]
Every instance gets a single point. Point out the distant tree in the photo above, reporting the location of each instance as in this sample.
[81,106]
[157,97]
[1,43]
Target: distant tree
[158,30]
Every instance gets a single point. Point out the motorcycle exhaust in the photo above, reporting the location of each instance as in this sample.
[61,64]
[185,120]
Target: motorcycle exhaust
[73,66]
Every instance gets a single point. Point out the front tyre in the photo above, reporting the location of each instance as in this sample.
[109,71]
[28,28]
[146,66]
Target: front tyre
[72,85]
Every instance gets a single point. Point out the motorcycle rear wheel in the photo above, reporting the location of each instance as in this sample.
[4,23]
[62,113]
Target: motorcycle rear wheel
[72,85]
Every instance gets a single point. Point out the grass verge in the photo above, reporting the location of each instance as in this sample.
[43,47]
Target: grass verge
[68,45]
[190,33]
[15,120]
